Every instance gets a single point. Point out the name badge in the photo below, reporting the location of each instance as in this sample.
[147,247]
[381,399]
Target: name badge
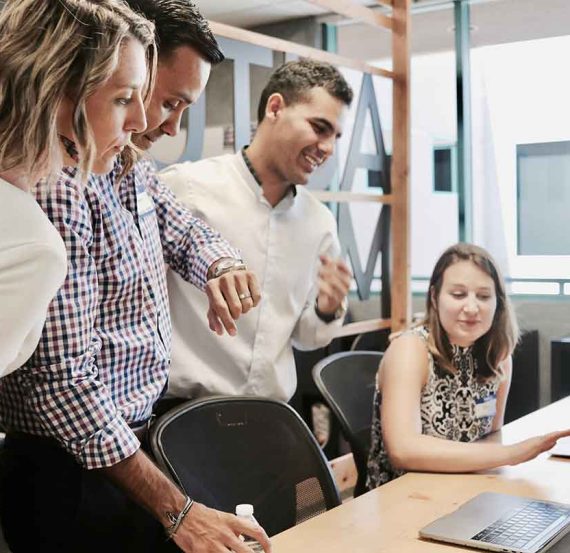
[486,407]
[145,205]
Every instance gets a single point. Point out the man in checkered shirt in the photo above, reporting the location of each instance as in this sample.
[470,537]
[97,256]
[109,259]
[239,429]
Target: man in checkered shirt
[75,477]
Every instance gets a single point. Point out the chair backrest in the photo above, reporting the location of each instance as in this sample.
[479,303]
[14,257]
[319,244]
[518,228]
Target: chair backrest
[377,340]
[347,382]
[228,450]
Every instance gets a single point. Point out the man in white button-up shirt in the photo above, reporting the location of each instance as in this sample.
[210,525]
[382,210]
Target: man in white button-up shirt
[286,236]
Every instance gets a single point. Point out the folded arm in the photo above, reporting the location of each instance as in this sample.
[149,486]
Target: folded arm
[193,249]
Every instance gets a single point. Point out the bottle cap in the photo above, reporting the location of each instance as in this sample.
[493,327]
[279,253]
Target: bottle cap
[244,510]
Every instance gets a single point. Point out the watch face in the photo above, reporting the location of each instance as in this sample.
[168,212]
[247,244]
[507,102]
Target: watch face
[225,264]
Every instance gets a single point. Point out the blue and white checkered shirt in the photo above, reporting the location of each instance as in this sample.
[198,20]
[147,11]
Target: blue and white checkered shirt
[103,358]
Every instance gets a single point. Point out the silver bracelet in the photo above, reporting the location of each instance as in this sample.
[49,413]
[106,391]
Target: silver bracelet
[176,520]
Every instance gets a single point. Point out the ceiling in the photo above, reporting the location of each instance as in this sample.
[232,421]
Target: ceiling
[493,21]
[251,13]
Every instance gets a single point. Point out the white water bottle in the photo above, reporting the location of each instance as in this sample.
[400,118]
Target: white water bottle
[245,510]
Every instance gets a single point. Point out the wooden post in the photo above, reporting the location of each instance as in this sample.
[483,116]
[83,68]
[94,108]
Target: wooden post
[400,220]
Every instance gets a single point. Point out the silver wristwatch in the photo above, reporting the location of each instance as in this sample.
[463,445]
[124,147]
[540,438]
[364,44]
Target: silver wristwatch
[226,265]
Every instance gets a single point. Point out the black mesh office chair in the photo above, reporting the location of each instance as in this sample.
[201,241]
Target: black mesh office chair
[347,382]
[377,340]
[228,450]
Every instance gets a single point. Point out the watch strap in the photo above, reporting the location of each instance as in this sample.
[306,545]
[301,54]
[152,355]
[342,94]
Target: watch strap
[330,317]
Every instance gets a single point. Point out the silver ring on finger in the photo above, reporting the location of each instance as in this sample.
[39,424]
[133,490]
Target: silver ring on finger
[244,296]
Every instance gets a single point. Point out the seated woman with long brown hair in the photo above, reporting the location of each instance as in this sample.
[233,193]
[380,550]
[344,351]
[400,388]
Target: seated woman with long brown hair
[444,384]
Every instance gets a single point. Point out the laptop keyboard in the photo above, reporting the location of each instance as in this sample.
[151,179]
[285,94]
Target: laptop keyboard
[522,525]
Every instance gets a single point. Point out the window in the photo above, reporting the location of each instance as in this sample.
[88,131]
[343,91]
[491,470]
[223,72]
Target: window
[444,169]
[543,198]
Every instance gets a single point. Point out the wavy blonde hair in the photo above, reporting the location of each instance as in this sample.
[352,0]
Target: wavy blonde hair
[52,49]
[499,341]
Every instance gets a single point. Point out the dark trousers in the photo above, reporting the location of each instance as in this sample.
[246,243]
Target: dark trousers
[162,406]
[50,504]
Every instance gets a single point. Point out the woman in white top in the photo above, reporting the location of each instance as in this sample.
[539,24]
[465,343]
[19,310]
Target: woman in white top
[73,74]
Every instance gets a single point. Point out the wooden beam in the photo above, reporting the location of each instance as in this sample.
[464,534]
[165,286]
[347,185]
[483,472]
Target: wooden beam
[400,220]
[344,197]
[357,12]
[363,326]
[281,45]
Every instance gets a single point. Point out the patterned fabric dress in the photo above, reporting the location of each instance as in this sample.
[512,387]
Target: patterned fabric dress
[448,409]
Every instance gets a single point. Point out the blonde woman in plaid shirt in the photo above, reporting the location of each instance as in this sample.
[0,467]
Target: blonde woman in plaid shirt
[76,414]
[53,66]
[73,80]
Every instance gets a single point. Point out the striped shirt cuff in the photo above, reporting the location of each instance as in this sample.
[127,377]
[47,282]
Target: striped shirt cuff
[208,256]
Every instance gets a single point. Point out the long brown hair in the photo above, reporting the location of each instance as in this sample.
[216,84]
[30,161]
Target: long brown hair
[499,341]
[50,50]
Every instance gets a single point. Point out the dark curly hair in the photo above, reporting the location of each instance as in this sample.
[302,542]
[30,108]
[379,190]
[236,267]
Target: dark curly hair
[294,79]
[179,23]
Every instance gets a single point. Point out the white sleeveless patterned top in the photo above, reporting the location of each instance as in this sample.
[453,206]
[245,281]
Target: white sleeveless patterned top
[448,408]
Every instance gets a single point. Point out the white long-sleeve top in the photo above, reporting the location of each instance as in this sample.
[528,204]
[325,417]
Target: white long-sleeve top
[33,265]
[281,245]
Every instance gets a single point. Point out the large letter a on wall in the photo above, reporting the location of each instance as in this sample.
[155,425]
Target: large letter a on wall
[378,164]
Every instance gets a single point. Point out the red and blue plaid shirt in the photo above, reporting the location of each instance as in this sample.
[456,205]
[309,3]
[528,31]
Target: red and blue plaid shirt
[103,358]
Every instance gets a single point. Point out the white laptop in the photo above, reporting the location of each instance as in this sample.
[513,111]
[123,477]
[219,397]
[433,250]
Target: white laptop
[499,522]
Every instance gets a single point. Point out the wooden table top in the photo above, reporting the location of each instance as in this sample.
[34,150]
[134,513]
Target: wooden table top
[388,519]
